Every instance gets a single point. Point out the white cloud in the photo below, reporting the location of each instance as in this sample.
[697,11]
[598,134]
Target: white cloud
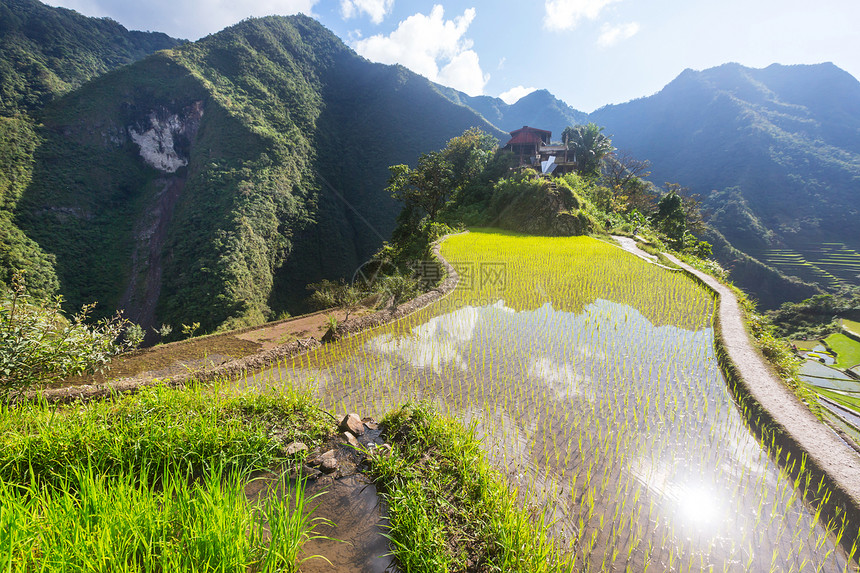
[513,95]
[189,19]
[433,47]
[611,35]
[376,9]
[566,14]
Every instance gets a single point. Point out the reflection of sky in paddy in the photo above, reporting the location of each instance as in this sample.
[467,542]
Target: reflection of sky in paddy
[631,421]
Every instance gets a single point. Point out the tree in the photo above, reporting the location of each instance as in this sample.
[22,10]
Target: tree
[441,175]
[429,186]
[468,155]
[679,216]
[38,344]
[670,219]
[625,175]
[589,146]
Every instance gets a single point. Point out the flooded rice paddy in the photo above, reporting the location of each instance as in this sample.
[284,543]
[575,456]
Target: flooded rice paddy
[591,377]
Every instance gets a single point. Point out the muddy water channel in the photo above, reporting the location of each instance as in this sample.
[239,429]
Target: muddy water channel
[592,378]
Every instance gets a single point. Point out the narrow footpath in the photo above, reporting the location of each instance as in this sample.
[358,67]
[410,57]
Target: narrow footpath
[800,430]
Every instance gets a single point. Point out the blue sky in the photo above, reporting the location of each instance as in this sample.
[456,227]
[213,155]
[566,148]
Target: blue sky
[587,52]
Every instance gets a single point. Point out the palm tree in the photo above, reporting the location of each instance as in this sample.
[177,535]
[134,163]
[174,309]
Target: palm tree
[589,146]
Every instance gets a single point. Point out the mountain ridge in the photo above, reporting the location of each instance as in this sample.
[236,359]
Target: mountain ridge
[765,140]
[539,108]
[47,51]
[269,145]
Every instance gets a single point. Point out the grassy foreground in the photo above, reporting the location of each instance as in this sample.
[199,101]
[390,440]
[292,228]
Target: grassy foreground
[448,510]
[156,482]
[151,482]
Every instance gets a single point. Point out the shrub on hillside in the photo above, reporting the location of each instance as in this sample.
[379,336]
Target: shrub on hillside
[39,344]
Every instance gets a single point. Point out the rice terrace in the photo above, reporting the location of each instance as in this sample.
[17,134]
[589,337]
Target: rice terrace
[352,285]
[592,378]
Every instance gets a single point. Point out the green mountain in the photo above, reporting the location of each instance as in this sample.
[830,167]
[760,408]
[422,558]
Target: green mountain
[775,154]
[46,52]
[211,182]
[538,109]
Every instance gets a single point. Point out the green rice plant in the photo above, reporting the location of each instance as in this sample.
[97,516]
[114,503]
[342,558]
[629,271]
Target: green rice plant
[847,350]
[194,428]
[447,508]
[89,521]
[588,367]
[290,524]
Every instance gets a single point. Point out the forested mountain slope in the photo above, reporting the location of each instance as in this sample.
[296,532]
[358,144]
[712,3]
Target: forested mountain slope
[211,182]
[774,152]
[46,52]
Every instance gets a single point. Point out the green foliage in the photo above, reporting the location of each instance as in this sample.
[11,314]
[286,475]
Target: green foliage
[398,287]
[448,508]
[93,522]
[442,176]
[189,330]
[542,206]
[589,146]
[267,180]
[46,52]
[157,429]
[133,335]
[427,187]
[153,482]
[38,344]
[18,143]
[331,323]
[164,331]
[670,218]
[18,252]
[816,316]
[339,294]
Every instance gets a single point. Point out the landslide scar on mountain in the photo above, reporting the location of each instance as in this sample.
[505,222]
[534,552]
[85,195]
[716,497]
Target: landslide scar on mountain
[165,141]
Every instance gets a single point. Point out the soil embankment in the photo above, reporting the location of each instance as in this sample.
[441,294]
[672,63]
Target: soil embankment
[237,352]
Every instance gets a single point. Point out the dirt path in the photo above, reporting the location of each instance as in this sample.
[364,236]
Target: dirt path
[800,430]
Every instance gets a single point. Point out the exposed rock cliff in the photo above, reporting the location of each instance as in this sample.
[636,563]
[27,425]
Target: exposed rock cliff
[163,133]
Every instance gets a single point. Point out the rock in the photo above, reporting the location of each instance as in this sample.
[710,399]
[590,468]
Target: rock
[328,465]
[332,335]
[352,423]
[307,472]
[351,440]
[371,425]
[318,460]
[296,447]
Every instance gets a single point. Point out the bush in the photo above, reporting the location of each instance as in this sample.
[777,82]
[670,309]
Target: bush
[38,344]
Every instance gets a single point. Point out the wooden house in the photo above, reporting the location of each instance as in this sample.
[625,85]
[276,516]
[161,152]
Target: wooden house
[533,147]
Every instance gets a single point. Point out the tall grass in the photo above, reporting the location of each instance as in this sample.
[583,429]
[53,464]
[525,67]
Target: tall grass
[448,509]
[158,428]
[153,482]
[87,521]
